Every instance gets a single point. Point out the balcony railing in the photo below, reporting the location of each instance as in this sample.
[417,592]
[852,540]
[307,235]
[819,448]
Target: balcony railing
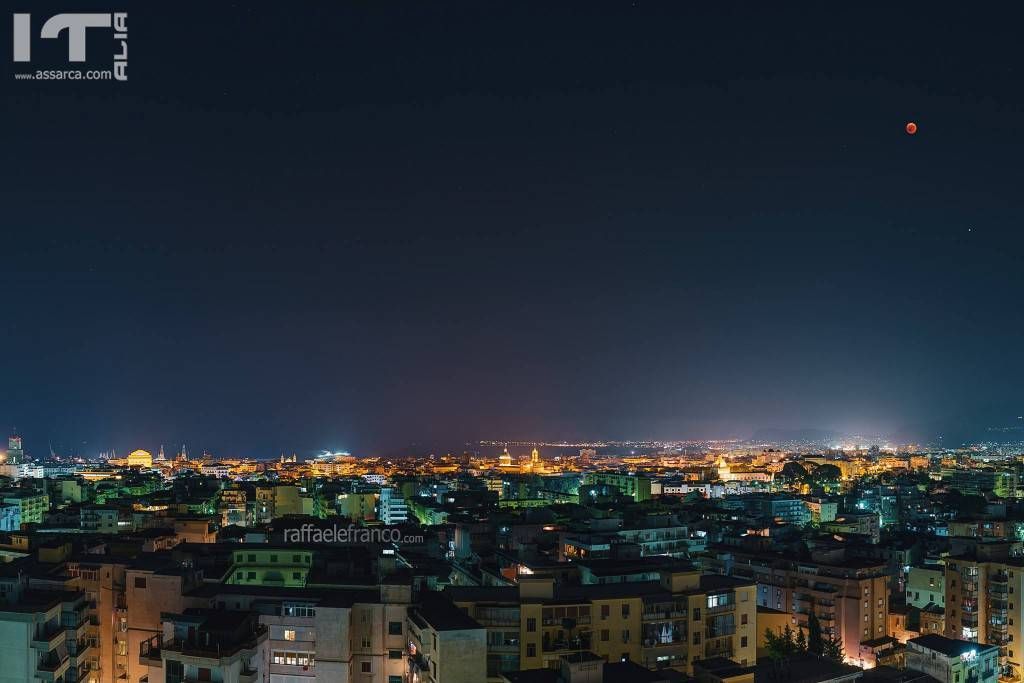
[149,651]
[718,609]
[49,638]
[212,649]
[725,650]
[51,662]
[566,644]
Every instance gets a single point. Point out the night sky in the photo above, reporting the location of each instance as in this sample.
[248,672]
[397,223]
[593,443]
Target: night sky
[388,227]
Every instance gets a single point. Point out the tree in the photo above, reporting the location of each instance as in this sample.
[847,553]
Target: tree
[828,473]
[815,644]
[800,642]
[794,471]
[833,649]
[780,645]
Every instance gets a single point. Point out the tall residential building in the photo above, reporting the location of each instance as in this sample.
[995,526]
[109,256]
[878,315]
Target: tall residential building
[849,595]
[42,637]
[983,601]
[315,636]
[393,509]
[103,581]
[445,645]
[669,623]
[205,645]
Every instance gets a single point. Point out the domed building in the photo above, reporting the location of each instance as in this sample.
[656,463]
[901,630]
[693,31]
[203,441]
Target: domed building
[140,458]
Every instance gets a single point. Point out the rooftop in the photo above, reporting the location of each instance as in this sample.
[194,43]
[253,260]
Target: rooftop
[949,646]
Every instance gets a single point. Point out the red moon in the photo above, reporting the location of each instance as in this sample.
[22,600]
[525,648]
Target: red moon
[911,128]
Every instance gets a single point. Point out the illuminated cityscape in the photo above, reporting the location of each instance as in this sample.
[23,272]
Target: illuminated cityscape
[665,560]
[627,341]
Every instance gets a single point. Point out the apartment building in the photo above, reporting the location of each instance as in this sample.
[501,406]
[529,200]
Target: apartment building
[668,623]
[868,524]
[445,645]
[768,508]
[821,509]
[43,638]
[153,588]
[983,601]
[205,645]
[100,519]
[849,595]
[270,565]
[233,507]
[323,635]
[636,487]
[10,517]
[393,508]
[950,660]
[926,586]
[31,505]
[102,579]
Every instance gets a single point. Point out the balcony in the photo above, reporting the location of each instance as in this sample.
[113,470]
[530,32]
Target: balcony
[719,650]
[149,652]
[49,638]
[720,631]
[566,644]
[80,649]
[52,666]
[503,648]
[720,608]
[212,650]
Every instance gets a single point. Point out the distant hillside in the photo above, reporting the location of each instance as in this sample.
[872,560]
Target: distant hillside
[777,435]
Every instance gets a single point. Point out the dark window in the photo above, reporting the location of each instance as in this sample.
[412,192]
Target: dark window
[605,611]
[273,558]
[252,558]
[296,559]
[743,641]
[531,650]
[625,610]
[531,625]
[140,582]
[394,628]
[364,667]
[394,654]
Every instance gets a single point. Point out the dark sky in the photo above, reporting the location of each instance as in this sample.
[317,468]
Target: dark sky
[378,226]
